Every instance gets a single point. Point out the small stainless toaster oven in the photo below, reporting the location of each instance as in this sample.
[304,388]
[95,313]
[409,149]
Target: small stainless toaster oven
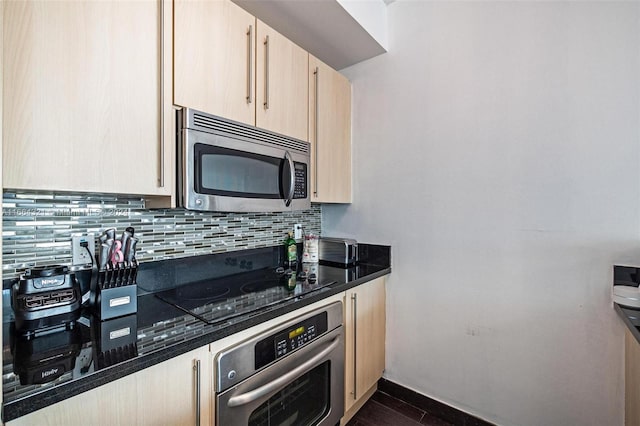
[342,251]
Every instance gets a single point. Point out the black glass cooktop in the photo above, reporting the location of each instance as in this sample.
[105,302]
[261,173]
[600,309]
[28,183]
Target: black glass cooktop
[219,299]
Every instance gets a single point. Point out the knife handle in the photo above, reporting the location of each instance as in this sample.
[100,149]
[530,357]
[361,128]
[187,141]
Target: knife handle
[111,233]
[131,252]
[104,255]
[126,235]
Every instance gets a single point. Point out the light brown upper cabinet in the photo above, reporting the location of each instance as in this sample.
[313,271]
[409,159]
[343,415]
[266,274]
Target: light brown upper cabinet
[281,84]
[230,64]
[329,133]
[84,96]
[215,59]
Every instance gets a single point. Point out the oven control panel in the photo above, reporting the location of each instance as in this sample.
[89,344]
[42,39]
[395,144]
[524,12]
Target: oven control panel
[288,340]
[296,337]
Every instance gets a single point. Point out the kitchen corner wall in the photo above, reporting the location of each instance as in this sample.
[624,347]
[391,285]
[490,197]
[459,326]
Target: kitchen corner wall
[37,228]
[496,148]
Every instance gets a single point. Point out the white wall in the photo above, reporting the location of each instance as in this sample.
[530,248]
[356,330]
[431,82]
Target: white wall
[497,148]
[371,15]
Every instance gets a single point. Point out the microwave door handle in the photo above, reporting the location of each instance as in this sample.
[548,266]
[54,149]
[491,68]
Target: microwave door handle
[248,397]
[288,172]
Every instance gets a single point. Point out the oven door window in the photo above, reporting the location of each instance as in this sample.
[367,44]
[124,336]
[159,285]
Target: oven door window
[303,402]
[233,173]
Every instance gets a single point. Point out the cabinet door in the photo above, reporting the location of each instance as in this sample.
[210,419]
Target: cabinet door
[215,59]
[82,96]
[169,391]
[281,84]
[364,340]
[329,133]
[163,394]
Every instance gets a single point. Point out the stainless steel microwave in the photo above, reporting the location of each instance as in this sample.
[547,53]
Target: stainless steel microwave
[226,166]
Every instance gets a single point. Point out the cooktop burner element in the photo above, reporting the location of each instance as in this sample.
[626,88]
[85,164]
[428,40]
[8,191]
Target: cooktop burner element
[206,290]
[256,286]
[221,299]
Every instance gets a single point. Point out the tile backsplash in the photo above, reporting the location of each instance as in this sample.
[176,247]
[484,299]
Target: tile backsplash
[37,228]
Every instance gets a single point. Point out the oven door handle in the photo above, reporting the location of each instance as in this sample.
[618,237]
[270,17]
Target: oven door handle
[251,396]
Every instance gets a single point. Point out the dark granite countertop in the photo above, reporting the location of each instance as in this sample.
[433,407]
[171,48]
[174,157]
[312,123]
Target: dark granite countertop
[162,332]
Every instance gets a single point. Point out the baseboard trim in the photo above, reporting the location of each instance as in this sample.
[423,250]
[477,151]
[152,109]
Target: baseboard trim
[431,406]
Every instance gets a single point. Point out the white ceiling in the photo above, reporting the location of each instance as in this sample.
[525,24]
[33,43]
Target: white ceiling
[322,27]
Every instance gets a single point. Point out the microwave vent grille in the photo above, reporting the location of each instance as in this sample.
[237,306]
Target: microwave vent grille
[217,125]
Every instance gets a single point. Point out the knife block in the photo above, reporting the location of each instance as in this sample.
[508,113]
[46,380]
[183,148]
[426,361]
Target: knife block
[114,292]
[115,340]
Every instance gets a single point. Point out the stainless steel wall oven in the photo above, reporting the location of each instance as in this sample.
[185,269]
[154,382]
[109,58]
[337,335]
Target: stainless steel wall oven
[292,374]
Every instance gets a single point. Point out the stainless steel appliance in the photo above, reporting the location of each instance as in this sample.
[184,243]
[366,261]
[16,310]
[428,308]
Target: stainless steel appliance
[340,251]
[292,374]
[228,166]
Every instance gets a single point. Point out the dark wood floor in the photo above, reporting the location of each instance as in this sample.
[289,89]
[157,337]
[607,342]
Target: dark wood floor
[385,410]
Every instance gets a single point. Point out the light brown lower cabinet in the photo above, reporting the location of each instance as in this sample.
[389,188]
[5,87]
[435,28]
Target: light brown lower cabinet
[165,394]
[365,318]
[632,380]
[173,393]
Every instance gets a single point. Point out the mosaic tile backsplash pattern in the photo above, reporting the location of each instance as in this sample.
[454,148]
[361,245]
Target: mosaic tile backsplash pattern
[37,228]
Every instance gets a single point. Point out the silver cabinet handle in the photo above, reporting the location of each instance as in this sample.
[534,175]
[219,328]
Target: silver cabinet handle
[249,63]
[354,304]
[196,369]
[251,396]
[161,158]
[266,72]
[315,130]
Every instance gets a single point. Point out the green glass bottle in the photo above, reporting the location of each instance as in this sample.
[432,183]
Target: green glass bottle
[292,252]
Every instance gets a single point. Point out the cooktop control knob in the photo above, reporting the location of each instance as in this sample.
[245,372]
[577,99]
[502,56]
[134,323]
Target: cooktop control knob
[312,278]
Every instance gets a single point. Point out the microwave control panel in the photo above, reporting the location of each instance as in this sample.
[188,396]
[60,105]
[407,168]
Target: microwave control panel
[300,189]
[286,341]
